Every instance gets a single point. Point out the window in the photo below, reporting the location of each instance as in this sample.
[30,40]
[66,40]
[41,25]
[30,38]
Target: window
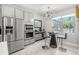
[66,23]
[57,23]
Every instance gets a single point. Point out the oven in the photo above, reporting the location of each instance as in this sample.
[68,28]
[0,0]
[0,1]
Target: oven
[29,34]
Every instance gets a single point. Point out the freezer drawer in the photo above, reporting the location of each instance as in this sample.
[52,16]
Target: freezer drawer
[19,45]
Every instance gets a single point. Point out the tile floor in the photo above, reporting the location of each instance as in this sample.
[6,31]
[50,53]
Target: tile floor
[36,49]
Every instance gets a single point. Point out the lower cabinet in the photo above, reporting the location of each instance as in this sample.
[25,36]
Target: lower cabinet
[15,46]
[29,41]
[37,36]
[19,45]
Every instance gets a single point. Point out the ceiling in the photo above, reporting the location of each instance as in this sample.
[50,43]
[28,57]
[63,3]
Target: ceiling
[43,7]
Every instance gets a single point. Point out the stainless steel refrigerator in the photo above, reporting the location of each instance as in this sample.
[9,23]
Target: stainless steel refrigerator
[13,33]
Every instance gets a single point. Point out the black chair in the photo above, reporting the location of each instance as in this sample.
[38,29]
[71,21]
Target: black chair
[61,38]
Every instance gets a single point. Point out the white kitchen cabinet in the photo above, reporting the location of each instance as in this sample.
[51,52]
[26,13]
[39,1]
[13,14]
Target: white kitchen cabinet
[19,13]
[7,11]
[28,18]
[19,29]
[29,41]
[11,12]
[37,36]
[19,45]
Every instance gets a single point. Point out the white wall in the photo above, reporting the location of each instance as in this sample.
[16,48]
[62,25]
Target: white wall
[75,36]
[65,12]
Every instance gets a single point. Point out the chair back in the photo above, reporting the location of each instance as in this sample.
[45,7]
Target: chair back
[65,36]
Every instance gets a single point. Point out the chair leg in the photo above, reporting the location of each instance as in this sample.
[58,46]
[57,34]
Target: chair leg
[59,39]
[61,42]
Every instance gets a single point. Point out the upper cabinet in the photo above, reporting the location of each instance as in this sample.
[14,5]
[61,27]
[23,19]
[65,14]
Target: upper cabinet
[28,17]
[7,11]
[19,13]
[11,12]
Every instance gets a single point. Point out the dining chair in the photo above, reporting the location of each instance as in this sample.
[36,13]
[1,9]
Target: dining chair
[62,38]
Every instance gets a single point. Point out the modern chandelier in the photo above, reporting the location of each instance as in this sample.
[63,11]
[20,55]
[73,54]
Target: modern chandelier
[49,13]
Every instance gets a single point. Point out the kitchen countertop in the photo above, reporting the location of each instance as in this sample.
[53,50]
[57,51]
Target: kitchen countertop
[40,32]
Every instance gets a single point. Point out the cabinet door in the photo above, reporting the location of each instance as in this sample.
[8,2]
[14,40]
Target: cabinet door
[19,29]
[37,36]
[26,17]
[19,45]
[7,11]
[19,13]
[11,47]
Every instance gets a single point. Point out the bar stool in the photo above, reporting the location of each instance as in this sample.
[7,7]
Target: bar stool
[45,36]
[62,38]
